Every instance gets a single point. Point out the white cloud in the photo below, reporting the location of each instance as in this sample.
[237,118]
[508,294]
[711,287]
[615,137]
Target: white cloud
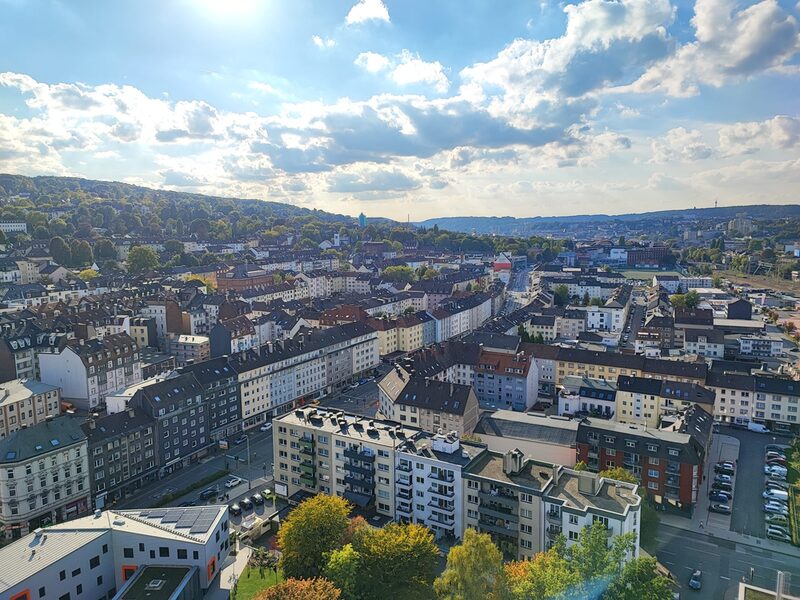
[780,132]
[323,43]
[367,10]
[729,45]
[372,62]
[680,144]
[413,70]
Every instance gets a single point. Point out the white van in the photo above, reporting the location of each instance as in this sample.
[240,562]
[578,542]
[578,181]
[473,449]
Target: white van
[779,495]
[757,427]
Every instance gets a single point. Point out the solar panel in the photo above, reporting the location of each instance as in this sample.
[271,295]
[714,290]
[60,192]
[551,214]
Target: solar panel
[201,526]
[172,516]
[154,514]
[209,513]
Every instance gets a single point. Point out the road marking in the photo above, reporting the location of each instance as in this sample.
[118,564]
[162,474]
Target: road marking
[723,577]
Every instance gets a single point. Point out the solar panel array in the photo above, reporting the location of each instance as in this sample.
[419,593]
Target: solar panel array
[195,519]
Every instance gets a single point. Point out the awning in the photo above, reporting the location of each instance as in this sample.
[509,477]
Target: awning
[361,500]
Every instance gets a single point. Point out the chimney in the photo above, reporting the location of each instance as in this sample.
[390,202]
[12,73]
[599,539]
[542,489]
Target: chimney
[131,412]
[587,483]
[452,389]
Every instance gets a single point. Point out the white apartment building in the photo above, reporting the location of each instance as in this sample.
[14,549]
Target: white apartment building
[13,227]
[26,402]
[94,556]
[88,370]
[44,476]
[763,346]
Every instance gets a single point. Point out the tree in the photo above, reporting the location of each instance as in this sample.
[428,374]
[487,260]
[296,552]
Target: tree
[561,295]
[60,252]
[691,299]
[580,466]
[81,253]
[621,241]
[546,575]
[316,527]
[142,259]
[104,250]
[399,274]
[302,589]
[474,570]
[343,570]
[398,561]
[586,299]
[619,474]
[592,556]
[640,580]
[41,232]
[88,274]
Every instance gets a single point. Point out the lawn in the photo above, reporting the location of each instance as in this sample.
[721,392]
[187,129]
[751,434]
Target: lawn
[750,594]
[251,583]
[637,274]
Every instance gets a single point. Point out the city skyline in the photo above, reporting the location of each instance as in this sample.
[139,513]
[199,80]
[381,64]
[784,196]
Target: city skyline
[403,108]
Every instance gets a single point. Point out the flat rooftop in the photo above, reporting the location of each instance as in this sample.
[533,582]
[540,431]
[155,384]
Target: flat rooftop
[610,496]
[534,474]
[337,422]
[155,583]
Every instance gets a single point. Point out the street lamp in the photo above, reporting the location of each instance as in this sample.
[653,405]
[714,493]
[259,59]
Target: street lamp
[249,475]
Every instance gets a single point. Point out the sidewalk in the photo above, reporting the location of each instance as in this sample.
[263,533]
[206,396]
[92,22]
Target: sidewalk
[723,447]
[230,572]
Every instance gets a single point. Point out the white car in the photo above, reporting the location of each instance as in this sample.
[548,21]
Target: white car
[776,508]
[266,427]
[775,469]
[232,482]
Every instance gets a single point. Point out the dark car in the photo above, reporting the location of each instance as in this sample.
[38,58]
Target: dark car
[725,487]
[257,499]
[190,503]
[240,440]
[246,503]
[723,470]
[719,496]
[209,493]
[235,509]
[696,580]
[723,509]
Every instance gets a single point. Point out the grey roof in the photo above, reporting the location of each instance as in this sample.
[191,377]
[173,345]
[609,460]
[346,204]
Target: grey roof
[493,340]
[116,424]
[20,389]
[426,393]
[548,430]
[39,440]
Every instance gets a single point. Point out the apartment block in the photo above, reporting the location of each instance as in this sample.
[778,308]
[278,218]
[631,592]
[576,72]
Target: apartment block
[220,386]
[647,401]
[44,476]
[189,348]
[25,403]
[104,555]
[709,343]
[762,346]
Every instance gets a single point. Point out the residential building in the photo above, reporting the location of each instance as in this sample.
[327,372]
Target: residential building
[763,346]
[647,401]
[181,417]
[25,403]
[189,349]
[220,386]
[709,343]
[669,462]
[524,504]
[13,227]
[44,476]
[88,370]
[427,403]
[122,454]
[20,346]
[181,550]
[583,396]
[503,380]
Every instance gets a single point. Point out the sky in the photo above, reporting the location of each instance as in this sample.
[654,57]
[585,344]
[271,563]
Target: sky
[411,109]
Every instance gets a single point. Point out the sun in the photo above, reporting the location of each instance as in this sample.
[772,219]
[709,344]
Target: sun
[227,8]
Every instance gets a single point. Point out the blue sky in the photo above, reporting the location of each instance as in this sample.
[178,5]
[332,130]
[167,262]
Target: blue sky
[400,108]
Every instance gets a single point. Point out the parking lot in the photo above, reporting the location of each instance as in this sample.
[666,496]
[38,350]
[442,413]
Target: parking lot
[748,513]
[362,400]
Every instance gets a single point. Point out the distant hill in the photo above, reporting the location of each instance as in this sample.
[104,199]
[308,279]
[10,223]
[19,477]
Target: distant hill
[509,225]
[46,189]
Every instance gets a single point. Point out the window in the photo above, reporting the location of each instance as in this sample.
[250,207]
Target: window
[573,536]
[62,575]
[76,572]
[42,592]
[99,580]
[78,589]
[573,519]
[652,473]
[163,552]
[182,554]
[195,554]
[127,552]
[652,485]
[141,547]
[94,562]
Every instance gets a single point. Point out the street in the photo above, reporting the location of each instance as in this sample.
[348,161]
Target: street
[634,323]
[722,562]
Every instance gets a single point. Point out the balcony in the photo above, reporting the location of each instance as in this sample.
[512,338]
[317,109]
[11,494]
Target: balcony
[403,481]
[361,455]
[364,484]
[498,529]
[441,491]
[553,517]
[307,468]
[306,443]
[307,480]
[497,511]
[443,477]
[505,499]
[592,454]
[554,530]
[673,482]
[353,468]
[404,509]
[442,520]
[307,451]
[404,494]
[447,507]
[402,467]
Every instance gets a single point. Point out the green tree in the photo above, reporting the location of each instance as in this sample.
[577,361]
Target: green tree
[678,300]
[691,299]
[399,274]
[2,238]
[41,232]
[88,274]
[398,561]
[640,580]
[302,589]
[580,466]
[344,570]
[592,556]
[474,570]
[561,295]
[315,528]
[538,338]
[586,299]
[81,253]
[60,251]
[104,250]
[547,575]
[142,259]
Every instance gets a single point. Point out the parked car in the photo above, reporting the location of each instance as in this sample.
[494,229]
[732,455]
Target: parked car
[232,482]
[696,580]
[720,496]
[776,485]
[776,462]
[723,509]
[209,493]
[723,470]
[777,477]
[779,529]
[726,463]
[246,503]
[719,485]
[723,478]
[777,520]
[757,427]
[265,427]
[778,534]
[235,509]
[257,499]
[775,454]
[189,503]
[780,495]
[776,448]
[772,469]
[240,440]
[776,508]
